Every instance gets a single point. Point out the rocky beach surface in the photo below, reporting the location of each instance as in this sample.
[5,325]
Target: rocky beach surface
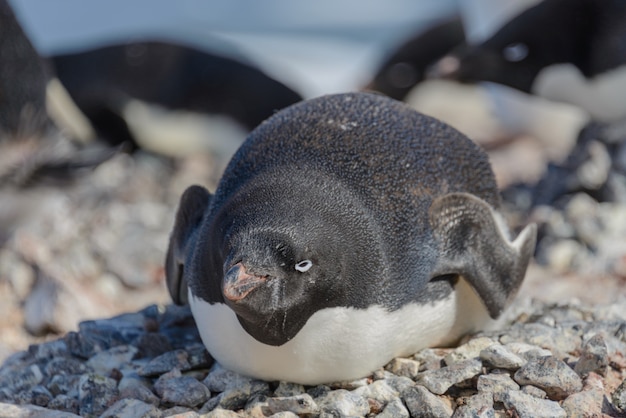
[95,250]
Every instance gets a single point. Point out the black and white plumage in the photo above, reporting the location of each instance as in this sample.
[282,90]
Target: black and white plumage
[572,51]
[347,230]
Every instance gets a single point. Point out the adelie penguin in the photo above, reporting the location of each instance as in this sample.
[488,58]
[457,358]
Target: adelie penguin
[347,230]
[572,51]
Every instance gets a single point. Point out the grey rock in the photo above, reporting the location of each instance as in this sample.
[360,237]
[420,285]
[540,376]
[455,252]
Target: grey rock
[422,403]
[594,356]
[477,406]
[527,406]
[399,383]
[298,404]
[131,408]
[222,413]
[133,386]
[183,390]
[429,358]
[394,409]
[22,379]
[31,411]
[286,389]
[198,357]
[439,381]
[587,403]
[180,412]
[49,350]
[469,350]
[113,358]
[619,396]
[176,359]
[379,391]
[551,375]
[237,394]
[284,414]
[152,344]
[64,384]
[500,357]
[496,383]
[404,367]
[534,391]
[220,378]
[341,403]
[64,366]
[350,384]
[95,394]
[64,403]
[527,351]
[40,396]
[554,339]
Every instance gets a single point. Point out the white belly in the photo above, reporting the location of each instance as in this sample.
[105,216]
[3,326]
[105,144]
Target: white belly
[338,343]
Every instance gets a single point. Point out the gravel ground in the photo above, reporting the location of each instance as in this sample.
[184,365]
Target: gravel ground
[95,250]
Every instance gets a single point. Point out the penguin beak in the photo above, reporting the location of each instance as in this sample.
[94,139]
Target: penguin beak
[238,283]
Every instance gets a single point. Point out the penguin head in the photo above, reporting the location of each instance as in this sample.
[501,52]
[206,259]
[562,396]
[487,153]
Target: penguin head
[270,276]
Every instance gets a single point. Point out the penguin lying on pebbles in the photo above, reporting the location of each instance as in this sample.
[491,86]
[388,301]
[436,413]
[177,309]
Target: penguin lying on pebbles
[347,230]
[572,51]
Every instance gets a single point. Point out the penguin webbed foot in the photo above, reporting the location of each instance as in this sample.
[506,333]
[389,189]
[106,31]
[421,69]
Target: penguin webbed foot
[193,203]
[472,244]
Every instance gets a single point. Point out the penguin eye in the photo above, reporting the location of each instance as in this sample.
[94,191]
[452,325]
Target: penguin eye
[515,52]
[304,266]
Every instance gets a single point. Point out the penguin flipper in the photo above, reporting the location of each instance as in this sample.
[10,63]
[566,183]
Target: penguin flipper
[193,204]
[472,244]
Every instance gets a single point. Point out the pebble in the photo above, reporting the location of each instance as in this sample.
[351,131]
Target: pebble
[500,357]
[551,375]
[298,404]
[619,396]
[496,383]
[439,381]
[131,408]
[58,375]
[394,409]
[594,356]
[404,367]
[343,403]
[527,406]
[422,403]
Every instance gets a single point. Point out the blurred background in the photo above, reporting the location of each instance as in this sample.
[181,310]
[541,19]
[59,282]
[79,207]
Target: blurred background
[113,108]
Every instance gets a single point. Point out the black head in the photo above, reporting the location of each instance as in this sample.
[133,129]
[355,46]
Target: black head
[552,32]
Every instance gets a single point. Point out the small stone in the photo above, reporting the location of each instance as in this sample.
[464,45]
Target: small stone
[152,344]
[237,394]
[587,403]
[404,367]
[131,408]
[286,389]
[284,414]
[21,411]
[113,358]
[184,390]
[350,384]
[550,374]
[496,383]
[527,351]
[95,394]
[64,384]
[222,413]
[40,396]
[594,356]
[399,383]
[619,396]
[469,350]
[341,402]
[429,358]
[199,357]
[64,366]
[498,356]
[49,350]
[527,406]
[165,362]
[439,381]
[64,403]
[220,378]
[477,406]
[379,391]
[136,387]
[534,391]
[22,379]
[421,403]
[299,404]
[394,409]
